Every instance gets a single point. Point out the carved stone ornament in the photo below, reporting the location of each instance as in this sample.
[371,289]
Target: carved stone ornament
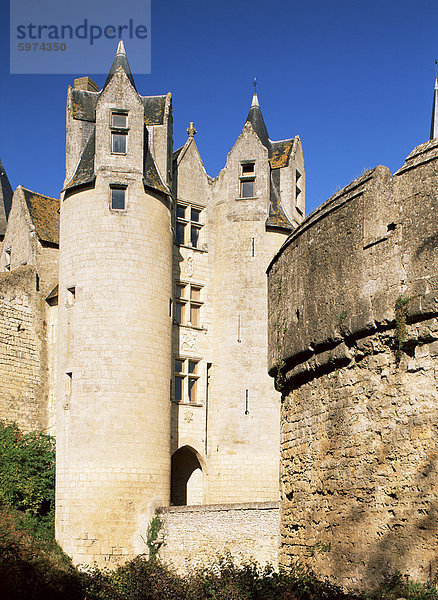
[189,340]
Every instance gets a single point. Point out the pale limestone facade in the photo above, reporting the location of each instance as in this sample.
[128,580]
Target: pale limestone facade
[154,332]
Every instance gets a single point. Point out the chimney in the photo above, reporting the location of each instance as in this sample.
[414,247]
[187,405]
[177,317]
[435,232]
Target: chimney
[86,84]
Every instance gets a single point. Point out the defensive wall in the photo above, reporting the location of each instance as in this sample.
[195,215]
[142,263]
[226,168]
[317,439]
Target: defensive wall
[197,535]
[353,347]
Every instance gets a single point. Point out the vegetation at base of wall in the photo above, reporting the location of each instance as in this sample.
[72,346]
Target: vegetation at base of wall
[30,575]
[397,586]
[33,567]
[153,531]
[27,479]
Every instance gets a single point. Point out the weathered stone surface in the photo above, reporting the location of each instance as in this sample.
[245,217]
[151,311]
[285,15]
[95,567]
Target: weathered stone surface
[197,535]
[24,385]
[353,334]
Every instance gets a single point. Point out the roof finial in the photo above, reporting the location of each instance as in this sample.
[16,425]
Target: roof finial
[121,48]
[191,130]
[255,100]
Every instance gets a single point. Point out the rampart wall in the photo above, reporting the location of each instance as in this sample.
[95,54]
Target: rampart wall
[353,304]
[197,535]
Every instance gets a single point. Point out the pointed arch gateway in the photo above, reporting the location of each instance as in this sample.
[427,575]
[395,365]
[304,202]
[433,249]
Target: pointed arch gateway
[187,477]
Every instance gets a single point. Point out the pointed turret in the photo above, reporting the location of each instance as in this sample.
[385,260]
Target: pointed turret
[120,60]
[5,199]
[434,123]
[255,117]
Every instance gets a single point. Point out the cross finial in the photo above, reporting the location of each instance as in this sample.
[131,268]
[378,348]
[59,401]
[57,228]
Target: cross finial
[191,130]
[436,68]
[255,85]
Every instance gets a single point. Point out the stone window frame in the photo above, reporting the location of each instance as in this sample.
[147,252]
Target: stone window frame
[189,376]
[188,224]
[118,186]
[247,176]
[188,302]
[119,130]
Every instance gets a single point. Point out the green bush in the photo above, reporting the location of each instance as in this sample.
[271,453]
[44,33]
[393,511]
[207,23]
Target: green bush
[28,571]
[27,472]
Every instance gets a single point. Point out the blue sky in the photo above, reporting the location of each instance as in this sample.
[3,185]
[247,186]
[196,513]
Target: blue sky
[353,78]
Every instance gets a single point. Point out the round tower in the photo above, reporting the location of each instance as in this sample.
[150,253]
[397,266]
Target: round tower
[115,285]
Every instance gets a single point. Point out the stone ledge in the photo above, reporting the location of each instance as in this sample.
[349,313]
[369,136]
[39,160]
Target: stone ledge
[220,507]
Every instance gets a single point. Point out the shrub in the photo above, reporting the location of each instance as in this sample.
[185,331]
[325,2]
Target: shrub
[27,472]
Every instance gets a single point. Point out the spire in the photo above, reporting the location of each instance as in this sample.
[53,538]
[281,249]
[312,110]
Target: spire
[434,122]
[255,99]
[255,117]
[121,49]
[120,60]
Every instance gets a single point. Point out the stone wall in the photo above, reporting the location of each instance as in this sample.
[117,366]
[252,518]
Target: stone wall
[353,347]
[197,535]
[23,357]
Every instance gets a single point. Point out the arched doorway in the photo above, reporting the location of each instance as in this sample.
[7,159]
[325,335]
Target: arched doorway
[186,483]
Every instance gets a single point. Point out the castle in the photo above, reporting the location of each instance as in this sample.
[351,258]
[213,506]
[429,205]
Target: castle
[135,314]
[134,324]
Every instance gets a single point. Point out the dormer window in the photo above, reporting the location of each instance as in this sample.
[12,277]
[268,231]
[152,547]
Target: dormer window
[118,142]
[119,133]
[247,180]
[119,120]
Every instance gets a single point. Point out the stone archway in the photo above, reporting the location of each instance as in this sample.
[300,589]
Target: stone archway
[186,478]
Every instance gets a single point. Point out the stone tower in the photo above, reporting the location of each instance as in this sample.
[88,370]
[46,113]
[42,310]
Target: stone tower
[225,412]
[259,199]
[115,286]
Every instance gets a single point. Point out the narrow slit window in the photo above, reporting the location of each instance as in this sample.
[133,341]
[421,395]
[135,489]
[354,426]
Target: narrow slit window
[71,295]
[68,383]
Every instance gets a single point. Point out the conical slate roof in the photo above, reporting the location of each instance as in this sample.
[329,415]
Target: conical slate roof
[255,117]
[120,60]
[5,199]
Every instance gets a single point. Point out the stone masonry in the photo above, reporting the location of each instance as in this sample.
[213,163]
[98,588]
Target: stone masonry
[353,347]
[194,536]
